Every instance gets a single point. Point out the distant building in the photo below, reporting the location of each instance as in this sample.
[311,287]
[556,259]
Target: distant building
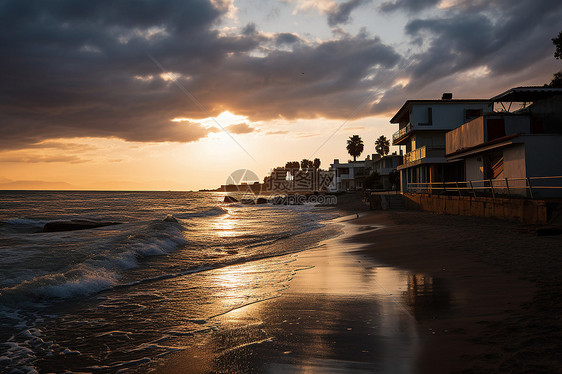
[422,128]
[520,141]
[351,176]
[385,166]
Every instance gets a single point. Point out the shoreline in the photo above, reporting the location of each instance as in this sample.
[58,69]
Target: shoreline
[336,315]
[472,293]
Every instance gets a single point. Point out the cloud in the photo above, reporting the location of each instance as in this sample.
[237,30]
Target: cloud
[408,5]
[73,71]
[340,13]
[240,128]
[41,158]
[280,132]
[35,185]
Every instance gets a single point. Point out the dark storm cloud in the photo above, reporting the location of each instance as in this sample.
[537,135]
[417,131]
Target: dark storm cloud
[82,69]
[408,5]
[286,38]
[340,14]
[504,39]
[501,38]
[75,70]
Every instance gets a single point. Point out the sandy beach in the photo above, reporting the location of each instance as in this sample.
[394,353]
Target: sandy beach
[402,291]
[505,289]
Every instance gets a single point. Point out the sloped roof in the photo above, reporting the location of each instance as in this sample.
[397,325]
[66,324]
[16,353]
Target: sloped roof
[527,94]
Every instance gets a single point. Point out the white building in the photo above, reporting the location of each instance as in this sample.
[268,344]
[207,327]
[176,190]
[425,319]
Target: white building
[422,128]
[350,176]
[519,144]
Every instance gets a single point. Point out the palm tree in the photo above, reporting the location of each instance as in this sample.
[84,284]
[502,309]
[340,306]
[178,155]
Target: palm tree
[382,145]
[354,146]
[316,163]
[306,164]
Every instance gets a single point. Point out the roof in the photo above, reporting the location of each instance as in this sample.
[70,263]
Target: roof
[527,94]
[408,105]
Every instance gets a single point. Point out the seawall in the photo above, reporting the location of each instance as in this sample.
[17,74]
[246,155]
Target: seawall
[521,210]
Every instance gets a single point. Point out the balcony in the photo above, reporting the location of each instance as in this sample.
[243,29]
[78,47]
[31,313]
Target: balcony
[401,134]
[424,152]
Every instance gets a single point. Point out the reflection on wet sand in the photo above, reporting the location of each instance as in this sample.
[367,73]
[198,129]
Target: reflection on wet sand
[427,297]
[337,315]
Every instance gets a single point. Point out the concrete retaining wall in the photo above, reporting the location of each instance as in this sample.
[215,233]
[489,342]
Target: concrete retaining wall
[521,210]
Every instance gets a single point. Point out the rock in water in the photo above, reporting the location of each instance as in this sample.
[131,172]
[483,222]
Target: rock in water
[261,200]
[230,199]
[75,224]
[170,218]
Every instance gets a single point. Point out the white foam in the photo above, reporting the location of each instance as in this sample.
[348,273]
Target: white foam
[87,284]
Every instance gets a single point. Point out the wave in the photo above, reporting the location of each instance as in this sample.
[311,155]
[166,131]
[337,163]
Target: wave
[102,271]
[22,225]
[215,211]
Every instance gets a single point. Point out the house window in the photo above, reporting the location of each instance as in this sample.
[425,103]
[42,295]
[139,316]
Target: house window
[429,118]
[496,128]
[470,114]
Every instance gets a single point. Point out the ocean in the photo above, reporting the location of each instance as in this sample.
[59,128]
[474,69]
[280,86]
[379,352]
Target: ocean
[123,297]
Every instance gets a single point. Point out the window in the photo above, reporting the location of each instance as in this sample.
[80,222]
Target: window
[429,118]
[470,114]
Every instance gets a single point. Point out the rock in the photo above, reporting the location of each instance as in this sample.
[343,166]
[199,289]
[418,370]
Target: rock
[261,200]
[170,218]
[75,224]
[229,199]
[247,201]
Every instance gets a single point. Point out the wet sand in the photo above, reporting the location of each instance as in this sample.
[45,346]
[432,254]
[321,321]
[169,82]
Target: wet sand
[339,314]
[401,292]
[505,283]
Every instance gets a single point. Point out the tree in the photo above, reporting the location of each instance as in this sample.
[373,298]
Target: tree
[291,165]
[316,163]
[354,146]
[558,44]
[557,78]
[382,145]
[306,164]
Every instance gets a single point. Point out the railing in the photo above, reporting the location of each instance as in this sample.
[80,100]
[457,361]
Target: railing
[402,132]
[424,152]
[531,187]
[414,155]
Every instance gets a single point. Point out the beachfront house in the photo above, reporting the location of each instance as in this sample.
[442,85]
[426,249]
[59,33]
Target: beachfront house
[518,145]
[422,128]
[385,166]
[349,176]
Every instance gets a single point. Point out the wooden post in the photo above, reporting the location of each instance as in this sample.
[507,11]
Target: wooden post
[530,187]
[507,186]
[458,189]
[473,191]
[492,188]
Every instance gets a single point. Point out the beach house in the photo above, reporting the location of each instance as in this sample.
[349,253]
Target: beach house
[518,145]
[385,166]
[422,128]
[349,176]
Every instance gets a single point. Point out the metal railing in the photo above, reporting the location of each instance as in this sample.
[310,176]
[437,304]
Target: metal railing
[402,132]
[530,187]
[423,152]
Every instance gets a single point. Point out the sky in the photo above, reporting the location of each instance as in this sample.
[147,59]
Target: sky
[177,95]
